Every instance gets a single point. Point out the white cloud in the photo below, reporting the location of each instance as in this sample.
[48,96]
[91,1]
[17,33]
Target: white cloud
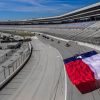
[33,2]
[37,7]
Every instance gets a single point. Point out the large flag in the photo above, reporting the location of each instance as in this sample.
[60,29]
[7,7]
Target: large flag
[84,71]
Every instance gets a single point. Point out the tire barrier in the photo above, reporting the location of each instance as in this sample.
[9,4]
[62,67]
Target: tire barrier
[58,42]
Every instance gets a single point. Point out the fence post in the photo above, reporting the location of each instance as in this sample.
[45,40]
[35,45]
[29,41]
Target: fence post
[9,70]
[4,71]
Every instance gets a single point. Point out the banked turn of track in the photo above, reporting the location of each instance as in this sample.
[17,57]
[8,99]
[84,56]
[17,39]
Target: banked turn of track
[72,93]
[45,79]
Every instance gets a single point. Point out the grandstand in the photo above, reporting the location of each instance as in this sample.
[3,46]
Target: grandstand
[71,34]
[81,25]
[90,13]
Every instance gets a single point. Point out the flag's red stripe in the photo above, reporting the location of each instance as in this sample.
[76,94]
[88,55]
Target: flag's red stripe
[81,76]
[79,72]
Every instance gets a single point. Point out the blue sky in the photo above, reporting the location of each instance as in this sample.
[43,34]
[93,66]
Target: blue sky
[27,9]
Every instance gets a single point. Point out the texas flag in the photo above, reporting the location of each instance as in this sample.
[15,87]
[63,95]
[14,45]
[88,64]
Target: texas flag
[84,71]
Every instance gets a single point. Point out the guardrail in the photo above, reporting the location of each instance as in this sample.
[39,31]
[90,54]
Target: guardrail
[12,67]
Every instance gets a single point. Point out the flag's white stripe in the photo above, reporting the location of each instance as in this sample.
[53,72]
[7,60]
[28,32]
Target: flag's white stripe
[94,64]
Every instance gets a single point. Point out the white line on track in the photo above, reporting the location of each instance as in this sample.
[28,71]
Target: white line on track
[65,76]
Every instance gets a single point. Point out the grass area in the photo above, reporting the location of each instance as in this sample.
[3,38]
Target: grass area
[18,32]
